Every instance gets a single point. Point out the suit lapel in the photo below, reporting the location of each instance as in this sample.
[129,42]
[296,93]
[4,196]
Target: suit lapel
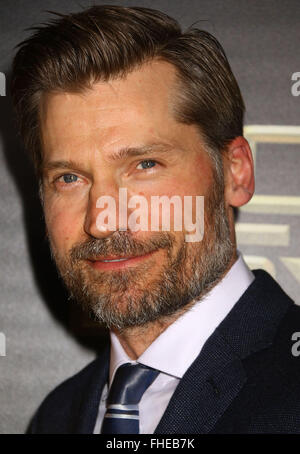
[217,375]
[89,405]
[205,391]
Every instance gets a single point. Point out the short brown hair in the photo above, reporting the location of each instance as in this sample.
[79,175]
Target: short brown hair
[71,52]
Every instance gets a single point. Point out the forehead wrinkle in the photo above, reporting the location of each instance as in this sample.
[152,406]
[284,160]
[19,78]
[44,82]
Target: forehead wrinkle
[123,153]
[126,152]
[60,164]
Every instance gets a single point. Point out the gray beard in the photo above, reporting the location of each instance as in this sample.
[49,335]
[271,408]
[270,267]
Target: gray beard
[120,299]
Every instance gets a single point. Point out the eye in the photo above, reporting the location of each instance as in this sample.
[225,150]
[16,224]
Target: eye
[146,164]
[68,178]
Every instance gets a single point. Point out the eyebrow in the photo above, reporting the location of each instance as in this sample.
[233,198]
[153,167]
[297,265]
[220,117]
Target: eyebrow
[127,152]
[119,155]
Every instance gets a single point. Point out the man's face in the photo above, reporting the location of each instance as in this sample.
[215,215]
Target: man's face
[122,134]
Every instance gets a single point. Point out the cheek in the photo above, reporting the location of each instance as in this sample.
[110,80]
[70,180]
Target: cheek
[162,214]
[64,224]
[199,178]
[188,219]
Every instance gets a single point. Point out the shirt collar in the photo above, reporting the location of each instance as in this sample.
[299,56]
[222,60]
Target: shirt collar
[190,331]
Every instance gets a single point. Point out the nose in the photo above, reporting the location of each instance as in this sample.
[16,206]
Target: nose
[101,213]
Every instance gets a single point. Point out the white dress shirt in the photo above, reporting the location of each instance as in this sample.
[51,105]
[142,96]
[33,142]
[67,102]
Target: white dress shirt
[173,352]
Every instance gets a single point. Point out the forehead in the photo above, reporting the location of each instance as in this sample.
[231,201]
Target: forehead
[132,112]
[142,97]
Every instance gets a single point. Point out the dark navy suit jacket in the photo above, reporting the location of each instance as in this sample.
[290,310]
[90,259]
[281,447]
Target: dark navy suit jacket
[245,379]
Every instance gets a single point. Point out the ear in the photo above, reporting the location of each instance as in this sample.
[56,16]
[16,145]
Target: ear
[239,172]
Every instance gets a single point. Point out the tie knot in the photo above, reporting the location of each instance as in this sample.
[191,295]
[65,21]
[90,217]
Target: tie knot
[130,383]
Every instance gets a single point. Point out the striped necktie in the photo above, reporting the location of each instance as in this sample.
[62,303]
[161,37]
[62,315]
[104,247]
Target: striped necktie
[129,384]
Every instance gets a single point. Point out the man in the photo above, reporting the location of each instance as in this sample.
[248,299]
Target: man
[118,99]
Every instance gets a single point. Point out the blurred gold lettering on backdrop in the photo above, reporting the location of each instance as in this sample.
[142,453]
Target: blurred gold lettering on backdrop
[263,234]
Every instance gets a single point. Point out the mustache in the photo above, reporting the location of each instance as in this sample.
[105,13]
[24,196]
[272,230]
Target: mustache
[121,244]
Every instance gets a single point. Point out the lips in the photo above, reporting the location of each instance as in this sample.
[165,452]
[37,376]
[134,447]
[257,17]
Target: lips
[118,262]
[114,258]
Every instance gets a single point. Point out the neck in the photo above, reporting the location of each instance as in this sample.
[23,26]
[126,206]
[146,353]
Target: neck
[135,340]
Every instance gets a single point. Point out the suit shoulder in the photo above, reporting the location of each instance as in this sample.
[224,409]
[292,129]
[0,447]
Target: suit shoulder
[56,412]
[280,360]
[286,354]
[74,383]
[269,402]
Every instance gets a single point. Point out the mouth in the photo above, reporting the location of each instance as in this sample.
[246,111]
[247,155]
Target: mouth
[118,262]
